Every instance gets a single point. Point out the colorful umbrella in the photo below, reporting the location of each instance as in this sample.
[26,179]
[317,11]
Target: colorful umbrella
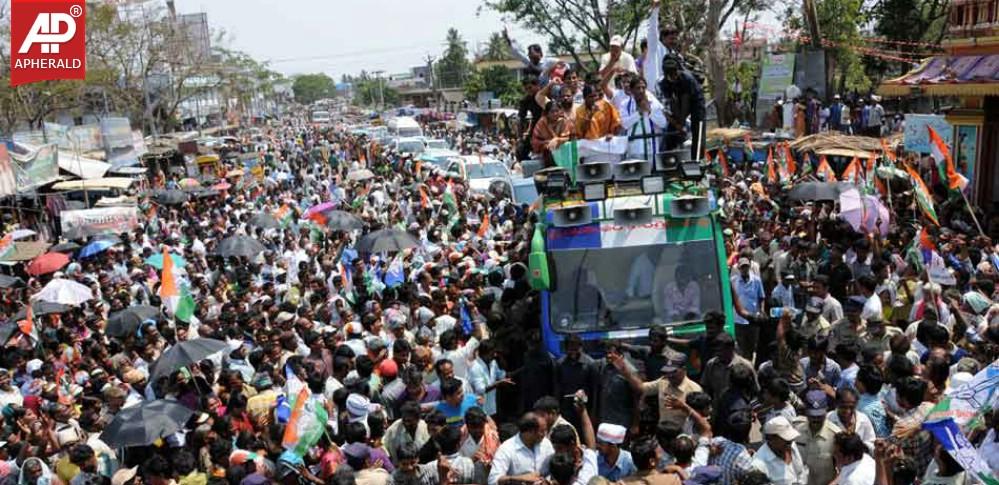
[96,247]
[156,260]
[64,292]
[47,263]
[864,213]
[318,209]
[189,183]
[222,186]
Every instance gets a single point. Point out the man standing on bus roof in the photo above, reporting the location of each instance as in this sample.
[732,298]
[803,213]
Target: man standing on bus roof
[748,290]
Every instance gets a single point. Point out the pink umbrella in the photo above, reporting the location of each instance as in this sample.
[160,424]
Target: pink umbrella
[319,209]
[864,213]
[222,186]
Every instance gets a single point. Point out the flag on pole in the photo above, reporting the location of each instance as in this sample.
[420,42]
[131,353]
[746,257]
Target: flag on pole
[567,156]
[27,326]
[771,166]
[825,170]
[926,245]
[395,275]
[6,246]
[923,197]
[169,293]
[185,306]
[940,153]
[748,141]
[790,163]
[964,407]
[806,165]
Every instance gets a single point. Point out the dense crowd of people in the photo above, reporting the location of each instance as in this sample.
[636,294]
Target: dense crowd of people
[425,365]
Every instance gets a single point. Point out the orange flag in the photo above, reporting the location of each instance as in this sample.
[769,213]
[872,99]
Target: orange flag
[27,326]
[484,227]
[748,140]
[852,172]
[168,284]
[424,197]
[771,166]
[870,166]
[417,167]
[826,170]
[792,165]
[723,160]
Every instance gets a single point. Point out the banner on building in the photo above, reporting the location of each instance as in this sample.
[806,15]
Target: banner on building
[37,168]
[917,138]
[98,222]
[119,144]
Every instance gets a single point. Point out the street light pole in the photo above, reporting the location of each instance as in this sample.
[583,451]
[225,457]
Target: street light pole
[381,94]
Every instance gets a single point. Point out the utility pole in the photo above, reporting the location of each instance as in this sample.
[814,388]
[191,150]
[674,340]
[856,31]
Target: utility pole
[381,94]
[430,78]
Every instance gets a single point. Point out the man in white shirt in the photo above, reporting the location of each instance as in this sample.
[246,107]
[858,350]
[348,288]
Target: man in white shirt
[524,457]
[9,394]
[617,59]
[643,117]
[779,457]
[856,467]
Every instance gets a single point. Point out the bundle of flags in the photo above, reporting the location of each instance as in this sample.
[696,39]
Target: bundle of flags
[961,410]
[175,297]
[923,197]
[825,170]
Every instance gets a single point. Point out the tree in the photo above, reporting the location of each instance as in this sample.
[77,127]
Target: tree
[309,88]
[906,24]
[453,68]
[496,79]
[497,49]
[839,22]
[371,91]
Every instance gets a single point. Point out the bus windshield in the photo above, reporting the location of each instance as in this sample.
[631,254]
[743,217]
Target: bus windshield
[633,287]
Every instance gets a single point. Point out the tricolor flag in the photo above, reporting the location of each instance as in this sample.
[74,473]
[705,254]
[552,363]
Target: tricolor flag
[889,154]
[424,197]
[926,245]
[27,326]
[940,153]
[748,141]
[169,290]
[964,407]
[923,197]
[790,164]
[853,171]
[395,275]
[6,245]
[825,170]
[306,424]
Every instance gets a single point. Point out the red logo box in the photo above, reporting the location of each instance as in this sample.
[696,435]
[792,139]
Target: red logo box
[48,40]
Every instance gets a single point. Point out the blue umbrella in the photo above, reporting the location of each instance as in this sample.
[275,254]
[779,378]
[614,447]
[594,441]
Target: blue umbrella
[95,247]
[156,260]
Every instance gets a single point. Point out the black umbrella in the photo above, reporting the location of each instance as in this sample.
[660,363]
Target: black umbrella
[264,220]
[201,193]
[66,247]
[39,308]
[186,353]
[239,246]
[814,191]
[127,321]
[10,281]
[342,221]
[171,197]
[386,240]
[145,423]
[7,331]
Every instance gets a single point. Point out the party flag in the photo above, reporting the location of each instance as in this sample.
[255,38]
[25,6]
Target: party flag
[449,199]
[306,424]
[6,245]
[790,163]
[424,197]
[169,294]
[771,166]
[27,326]
[926,245]
[723,160]
[185,306]
[923,198]
[395,275]
[852,173]
[940,153]
[748,140]
[484,227]
[825,170]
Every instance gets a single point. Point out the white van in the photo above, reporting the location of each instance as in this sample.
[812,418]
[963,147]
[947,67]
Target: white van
[404,126]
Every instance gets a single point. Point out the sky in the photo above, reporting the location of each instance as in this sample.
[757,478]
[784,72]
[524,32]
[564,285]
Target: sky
[346,36]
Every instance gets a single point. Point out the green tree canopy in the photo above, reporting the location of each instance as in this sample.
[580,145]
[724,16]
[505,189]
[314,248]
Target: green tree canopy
[453,68]
[309,88]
